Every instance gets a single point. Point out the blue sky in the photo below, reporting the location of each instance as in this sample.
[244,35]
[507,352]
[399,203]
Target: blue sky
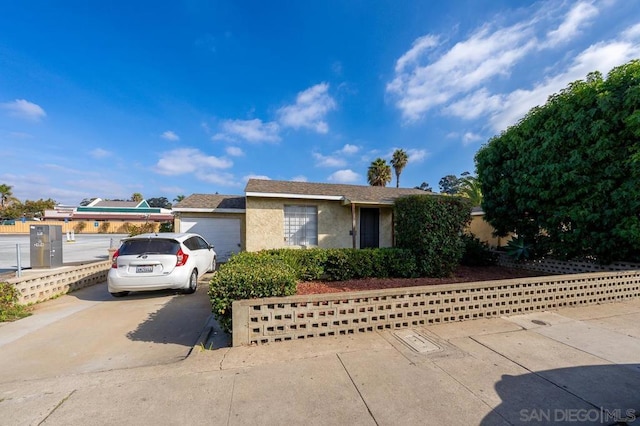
[167,98]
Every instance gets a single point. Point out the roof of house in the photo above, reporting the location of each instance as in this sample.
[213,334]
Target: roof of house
[330,191]
[98,202]
[210,202]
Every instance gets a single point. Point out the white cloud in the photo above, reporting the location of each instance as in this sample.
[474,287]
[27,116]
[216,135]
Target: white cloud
[349,149]
[170,136]
[428,75]
[21,108]
[580,14]
[469,138]
[417,155]
[218,178]
[344,176]
[250,130]
[234,151]
[189,160]
[602,57]
[253,176]
[100,153]
[310,109]
[328,161]
[299,178]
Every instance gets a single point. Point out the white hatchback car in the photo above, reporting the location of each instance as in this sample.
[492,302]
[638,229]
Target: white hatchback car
[160,261]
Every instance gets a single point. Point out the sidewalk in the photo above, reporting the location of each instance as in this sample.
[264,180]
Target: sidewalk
[572,366]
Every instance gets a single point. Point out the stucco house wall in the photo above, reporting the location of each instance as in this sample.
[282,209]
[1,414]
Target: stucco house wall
[265,219]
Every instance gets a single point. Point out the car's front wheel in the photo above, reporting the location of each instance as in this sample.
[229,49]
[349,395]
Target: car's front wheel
[193,283]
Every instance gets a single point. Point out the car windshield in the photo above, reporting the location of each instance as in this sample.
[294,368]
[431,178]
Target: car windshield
[149,246]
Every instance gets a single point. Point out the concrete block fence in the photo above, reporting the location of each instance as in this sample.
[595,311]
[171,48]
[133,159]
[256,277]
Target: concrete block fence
[275,319]
[552,266]
[38,286]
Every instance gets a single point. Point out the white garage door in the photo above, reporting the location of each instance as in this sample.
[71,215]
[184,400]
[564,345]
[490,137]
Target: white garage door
[223,234]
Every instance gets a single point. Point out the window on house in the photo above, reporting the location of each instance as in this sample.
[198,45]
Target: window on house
[301,225]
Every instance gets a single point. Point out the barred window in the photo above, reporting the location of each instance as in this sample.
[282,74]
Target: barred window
[301,225]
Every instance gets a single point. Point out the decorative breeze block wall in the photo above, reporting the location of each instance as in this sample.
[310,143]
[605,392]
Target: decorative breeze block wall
[259,321]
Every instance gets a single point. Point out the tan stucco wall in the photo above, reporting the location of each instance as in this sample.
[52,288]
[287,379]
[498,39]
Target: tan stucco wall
[482,230]
[265,223]
[241,216]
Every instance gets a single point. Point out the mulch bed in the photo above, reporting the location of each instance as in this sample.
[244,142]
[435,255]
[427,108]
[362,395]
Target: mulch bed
[461,275]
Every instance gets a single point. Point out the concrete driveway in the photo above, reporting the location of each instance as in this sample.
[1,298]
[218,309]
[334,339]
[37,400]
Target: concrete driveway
[90,331]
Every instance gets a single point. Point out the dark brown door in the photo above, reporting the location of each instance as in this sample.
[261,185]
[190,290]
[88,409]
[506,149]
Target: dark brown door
[369,228]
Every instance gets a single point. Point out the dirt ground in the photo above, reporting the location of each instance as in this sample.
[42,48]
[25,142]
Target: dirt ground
[462,274]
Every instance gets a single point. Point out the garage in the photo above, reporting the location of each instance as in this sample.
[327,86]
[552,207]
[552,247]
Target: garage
[222,233]
[218,218]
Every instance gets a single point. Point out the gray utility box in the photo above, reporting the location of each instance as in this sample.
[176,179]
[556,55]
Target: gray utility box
[46,246]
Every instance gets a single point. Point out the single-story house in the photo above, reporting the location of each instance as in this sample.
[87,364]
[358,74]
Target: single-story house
[276,214]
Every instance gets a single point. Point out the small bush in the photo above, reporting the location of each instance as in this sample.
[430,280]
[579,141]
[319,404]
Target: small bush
[249,276]
[10,310]
[79,227]
[399,263]
[308,264]
[104,228]
[144,228]
[477,253]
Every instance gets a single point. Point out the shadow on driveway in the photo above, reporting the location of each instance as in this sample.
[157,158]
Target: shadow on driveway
[594,394]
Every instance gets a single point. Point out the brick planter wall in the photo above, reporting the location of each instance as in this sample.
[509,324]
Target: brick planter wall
[259,321]
[36,287]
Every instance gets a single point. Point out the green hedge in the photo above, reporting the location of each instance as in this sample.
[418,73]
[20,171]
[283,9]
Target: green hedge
[432,228]
[271,273]
[248,276]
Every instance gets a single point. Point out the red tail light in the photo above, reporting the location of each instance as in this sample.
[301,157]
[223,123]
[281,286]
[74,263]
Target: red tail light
[114,259]
[182,257]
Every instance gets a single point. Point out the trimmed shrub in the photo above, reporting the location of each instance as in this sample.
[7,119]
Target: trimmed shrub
[431,227]
[249,276]
[308,263]
[398,263]
[477,253]
[9,308]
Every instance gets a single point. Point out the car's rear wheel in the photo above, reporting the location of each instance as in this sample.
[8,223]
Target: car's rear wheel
[193,283]
[120,294]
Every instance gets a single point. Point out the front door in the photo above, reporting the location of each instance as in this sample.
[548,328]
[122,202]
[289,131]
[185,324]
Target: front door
[369,228]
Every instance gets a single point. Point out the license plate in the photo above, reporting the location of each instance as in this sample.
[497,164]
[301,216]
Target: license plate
[144,269]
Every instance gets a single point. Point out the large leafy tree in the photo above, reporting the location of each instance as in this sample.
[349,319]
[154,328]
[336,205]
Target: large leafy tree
[399,162]
[379,173]
[161,202]
[567,176]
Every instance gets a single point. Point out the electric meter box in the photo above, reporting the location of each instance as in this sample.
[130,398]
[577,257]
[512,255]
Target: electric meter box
[46,246]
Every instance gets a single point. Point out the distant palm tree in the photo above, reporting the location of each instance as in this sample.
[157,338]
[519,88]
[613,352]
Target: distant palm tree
[179,198]
[137,197]
[471,189]
[399,161]
[379,173]
[6,195]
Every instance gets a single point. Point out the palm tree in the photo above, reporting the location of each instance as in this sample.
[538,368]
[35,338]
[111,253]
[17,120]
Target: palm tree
[399,161]
[137,197]
[471,189]
[379,173]
[179,198]
[6,195]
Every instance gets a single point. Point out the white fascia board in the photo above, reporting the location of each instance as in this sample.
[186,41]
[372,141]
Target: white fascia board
[368,203]
[295,196]
[202,210]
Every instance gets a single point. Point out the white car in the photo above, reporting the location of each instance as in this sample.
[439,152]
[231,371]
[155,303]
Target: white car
[160,261]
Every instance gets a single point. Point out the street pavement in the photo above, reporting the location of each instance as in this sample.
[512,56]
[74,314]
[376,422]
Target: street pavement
[83,248]
[571,366]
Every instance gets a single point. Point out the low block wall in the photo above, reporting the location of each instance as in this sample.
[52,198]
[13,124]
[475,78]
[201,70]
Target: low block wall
[275,319]
[552,266]
[36,287]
